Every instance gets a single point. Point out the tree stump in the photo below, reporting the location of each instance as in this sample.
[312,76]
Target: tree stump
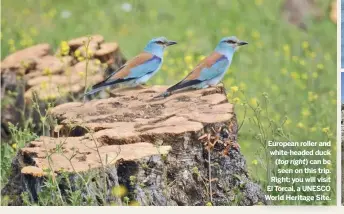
[36,75]
[159,150]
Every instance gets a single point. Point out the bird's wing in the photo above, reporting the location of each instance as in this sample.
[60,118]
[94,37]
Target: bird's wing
[207,69]
[139,66]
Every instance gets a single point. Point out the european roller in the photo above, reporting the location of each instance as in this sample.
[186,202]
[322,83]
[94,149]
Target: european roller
[139,69]
[211,70]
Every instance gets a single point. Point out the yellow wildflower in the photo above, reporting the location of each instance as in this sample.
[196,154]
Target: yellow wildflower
[313,129]
[286,48]
[52,13]
[236,100]
[64,48]
[33,31]
[312,96]
[81,74]
[14,146]
[77,53]
[305,112]
[47,71]
[320,66]
[300,125]
[89,53]
[44,85]
[255,35]
[254,101]
[97,62]
[119,191]
[134,203]
[234,88]
[305,45]
[295,75]
[188,59]
[312,55]
[326,130]
[259,2]
[200,58]
[304,76]
[80,58]
[302,62]
[22,42]
[288,121]
[10,42]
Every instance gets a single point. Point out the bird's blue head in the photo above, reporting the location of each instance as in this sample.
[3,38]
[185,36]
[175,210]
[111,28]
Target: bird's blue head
[228,45]
[157,46]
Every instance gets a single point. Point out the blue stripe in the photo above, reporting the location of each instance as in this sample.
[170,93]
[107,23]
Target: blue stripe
[153,58]
[221,58]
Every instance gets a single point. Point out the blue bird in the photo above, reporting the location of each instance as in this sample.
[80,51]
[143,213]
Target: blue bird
[211,70]
[139,69]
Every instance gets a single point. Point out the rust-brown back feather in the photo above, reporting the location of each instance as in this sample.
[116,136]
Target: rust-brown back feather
[138,60]
[205,63]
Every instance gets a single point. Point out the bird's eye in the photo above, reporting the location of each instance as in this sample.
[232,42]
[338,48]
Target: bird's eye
[231,42]
[159,42]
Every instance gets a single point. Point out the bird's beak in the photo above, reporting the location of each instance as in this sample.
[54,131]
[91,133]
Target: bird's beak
[171,43]
[242,43]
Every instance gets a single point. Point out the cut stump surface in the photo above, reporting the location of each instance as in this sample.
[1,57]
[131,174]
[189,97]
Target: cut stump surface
[150,146]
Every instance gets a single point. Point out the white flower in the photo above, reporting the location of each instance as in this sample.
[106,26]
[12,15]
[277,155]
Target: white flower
[65,14]
[126,7]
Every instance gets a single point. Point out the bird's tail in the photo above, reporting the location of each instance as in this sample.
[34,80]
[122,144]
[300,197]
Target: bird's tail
[95,90]
[163,95]
[100,86]
[180,85]
[168,91]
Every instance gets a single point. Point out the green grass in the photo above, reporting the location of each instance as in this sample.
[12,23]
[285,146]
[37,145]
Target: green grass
[294,70]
